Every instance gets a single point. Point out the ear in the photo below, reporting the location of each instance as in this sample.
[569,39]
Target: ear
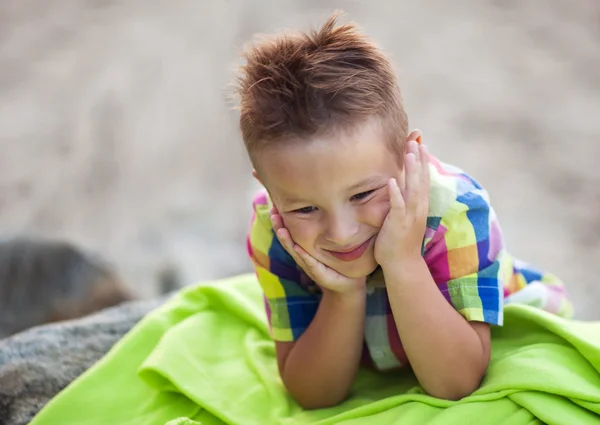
[415,135]
[255,175]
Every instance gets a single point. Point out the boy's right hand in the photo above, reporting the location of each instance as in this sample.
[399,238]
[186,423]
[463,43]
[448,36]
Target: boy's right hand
[324,276]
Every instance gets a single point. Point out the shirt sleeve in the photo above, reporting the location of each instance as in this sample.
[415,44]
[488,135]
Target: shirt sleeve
[291,298]
[468,259]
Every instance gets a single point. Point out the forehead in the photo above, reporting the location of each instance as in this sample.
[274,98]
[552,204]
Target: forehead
[323,167]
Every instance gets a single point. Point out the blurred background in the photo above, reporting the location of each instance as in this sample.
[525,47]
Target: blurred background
[117,134]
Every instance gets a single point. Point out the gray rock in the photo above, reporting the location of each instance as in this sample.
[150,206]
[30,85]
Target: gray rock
[38,363]
[50,280]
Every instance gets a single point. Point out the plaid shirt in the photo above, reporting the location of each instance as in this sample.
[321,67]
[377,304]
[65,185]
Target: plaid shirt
[463,249]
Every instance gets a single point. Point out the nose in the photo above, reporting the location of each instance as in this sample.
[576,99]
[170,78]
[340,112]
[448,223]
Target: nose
[342,229]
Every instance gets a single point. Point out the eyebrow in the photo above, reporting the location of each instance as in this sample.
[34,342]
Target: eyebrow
[288,200]
[366,182]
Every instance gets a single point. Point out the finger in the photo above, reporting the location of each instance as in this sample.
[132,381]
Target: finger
[413,178]
[425,181]
[396,199]
[402,182]
[285,238]
[313,267]
[413,147]
[277,222]
[274,210]
[425,166]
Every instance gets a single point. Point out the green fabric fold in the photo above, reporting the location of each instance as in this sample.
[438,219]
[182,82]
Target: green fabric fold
[206,358]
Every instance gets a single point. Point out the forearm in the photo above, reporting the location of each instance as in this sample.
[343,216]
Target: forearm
[320,368]
[445,352]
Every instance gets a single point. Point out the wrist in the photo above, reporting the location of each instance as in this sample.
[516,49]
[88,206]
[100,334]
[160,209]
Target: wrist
[352,294]
[399,258]
[404,270]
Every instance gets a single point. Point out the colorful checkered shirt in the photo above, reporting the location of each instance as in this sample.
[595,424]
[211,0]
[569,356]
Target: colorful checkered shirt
[463,248]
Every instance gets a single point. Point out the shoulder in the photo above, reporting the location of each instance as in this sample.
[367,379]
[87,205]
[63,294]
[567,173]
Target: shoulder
[260,235]
[453,191]
[262,243]
[457,201]
[277,272]
[261,203]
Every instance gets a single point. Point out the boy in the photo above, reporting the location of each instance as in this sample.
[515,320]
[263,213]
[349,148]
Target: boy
[367,247]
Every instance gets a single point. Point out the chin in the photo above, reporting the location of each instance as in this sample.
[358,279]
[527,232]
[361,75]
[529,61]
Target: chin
[357,269]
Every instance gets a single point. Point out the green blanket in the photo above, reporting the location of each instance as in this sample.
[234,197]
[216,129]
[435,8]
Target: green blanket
[205,357]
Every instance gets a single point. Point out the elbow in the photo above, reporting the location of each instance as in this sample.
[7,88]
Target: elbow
[317,401]
[317,404]
[315,397]
[312,396]
[451,394]
[455,389]
[460,382]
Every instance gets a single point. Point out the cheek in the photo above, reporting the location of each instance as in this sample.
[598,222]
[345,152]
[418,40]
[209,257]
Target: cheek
[304,232]
[375,212]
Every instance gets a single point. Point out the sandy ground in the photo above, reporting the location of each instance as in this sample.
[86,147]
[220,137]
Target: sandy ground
[115,131]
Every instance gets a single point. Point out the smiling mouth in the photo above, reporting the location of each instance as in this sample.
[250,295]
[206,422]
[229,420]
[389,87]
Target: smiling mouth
[351,254]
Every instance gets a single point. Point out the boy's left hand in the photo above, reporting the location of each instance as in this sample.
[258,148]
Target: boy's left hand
[400,238]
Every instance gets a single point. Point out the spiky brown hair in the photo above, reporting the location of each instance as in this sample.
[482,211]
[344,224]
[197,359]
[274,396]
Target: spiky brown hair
[295,86]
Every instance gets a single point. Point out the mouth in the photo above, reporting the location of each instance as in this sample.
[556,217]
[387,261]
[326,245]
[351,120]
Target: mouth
[353,253]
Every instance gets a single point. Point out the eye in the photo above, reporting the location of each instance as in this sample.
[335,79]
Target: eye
[305,210]
[361,195]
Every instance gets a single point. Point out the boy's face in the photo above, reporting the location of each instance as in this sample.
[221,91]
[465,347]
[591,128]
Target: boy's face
[332,195]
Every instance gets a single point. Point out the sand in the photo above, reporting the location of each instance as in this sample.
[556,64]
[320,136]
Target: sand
[116,133]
